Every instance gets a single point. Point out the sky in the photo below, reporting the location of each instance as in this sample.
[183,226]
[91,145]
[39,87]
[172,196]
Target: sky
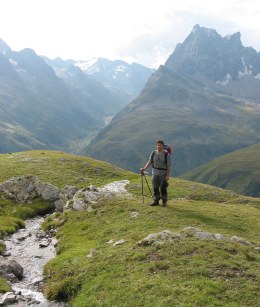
[140,31]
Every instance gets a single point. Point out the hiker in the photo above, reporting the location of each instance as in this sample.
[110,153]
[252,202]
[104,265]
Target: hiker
[160,160]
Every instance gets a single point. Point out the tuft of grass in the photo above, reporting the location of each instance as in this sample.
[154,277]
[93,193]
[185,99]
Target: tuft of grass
[4,286]
[12,215]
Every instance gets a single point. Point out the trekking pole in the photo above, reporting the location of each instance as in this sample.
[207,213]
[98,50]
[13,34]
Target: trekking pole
[148,185]
[142,180]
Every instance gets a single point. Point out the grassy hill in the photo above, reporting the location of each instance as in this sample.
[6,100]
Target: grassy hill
[238,171]
[184,271]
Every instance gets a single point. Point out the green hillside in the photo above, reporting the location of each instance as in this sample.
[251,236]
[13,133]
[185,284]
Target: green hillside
[183,271]
[238,171]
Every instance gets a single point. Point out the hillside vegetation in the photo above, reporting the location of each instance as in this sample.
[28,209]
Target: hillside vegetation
[91,270]
[238,171]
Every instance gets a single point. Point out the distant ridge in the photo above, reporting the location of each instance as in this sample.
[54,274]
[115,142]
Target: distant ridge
[125,79]
[238,171]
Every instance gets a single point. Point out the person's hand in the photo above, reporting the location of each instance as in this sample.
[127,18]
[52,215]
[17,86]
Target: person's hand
[142,171]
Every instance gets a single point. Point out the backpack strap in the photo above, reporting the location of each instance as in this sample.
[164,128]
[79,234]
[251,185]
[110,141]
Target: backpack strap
[165,160]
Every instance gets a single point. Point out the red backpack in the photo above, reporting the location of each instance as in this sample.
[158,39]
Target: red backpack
[168,148]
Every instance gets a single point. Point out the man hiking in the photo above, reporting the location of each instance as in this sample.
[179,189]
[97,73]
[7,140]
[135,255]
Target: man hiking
[160,160]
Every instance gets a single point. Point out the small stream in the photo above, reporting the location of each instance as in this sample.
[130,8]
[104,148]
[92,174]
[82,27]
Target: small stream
[32,249]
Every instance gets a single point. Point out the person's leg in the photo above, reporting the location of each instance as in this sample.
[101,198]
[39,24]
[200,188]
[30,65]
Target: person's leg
[156,190]
[164,192]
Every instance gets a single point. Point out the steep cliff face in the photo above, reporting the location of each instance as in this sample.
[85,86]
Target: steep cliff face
[220,63]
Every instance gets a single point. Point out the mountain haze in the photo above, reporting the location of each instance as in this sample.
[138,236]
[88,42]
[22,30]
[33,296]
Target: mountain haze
[127,80]
[197,102]
[51,103]
[94,96]
[37,109]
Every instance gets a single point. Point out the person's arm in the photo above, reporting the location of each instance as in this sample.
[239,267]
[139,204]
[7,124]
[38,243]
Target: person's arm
[168,171]
[146,166]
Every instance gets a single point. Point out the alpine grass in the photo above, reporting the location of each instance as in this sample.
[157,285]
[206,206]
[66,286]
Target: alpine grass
[100,261]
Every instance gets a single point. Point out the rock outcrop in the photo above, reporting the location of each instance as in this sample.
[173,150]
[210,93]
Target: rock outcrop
[167,236]
[84,199]
[25,188]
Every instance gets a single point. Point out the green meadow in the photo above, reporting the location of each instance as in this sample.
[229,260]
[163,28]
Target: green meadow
[90,270]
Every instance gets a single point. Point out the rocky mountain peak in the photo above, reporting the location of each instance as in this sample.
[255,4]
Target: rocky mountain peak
[4,48]
[202,31]
[200,47]
[206,53]
[234,39]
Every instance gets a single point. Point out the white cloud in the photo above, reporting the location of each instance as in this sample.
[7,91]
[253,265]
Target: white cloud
[144,31]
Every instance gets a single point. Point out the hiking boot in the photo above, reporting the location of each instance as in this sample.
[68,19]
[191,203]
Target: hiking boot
[164,203]
[155,203]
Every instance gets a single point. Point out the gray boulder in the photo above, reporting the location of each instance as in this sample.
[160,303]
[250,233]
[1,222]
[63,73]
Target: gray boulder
[8,298]
[25,188]
[10,267]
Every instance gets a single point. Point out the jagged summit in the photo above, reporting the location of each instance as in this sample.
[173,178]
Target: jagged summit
[234,40]
[235,36]
[198,30]
[4,48]
[209,55]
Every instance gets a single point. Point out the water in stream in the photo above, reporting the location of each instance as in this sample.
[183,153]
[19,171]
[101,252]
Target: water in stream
[32,250]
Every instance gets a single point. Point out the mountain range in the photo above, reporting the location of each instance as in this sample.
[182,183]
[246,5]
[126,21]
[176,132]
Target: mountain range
[205,102]
[125,79]
[53,103]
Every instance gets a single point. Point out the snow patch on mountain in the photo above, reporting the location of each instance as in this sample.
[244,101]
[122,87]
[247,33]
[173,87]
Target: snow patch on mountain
[247,70]
[16,66]
[120,68]
[85,65]
[13,62]
[225,81]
